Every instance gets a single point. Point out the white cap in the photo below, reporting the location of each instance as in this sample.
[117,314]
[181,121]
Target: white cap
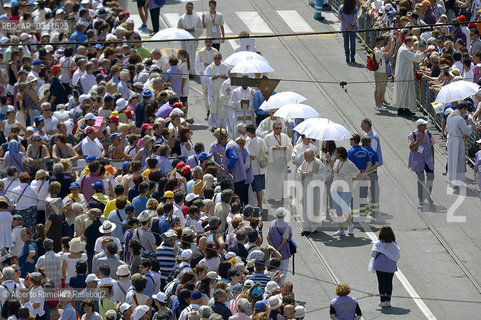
[229,255]
[249,283]
[83,97]
[123,270]
[421,121]
[190,197]
[186,254]
[91,277]
[121,104]
[24,36]
[90,116]
[177,112]
[300,312]
[271,285]
[478,141]
[139,312]
[124,307]
[49,48]
[162,297]
[281,212]
[388,7]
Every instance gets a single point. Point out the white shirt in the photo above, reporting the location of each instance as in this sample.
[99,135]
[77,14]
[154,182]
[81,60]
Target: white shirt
[76,76]
[37,296]
[178,213]
[6,229]
[10,184]
[87,81]
[50,124]
[98,243]
[92,147]
[41,187]
[65,70]
[27,200]
[10,284]
[17,241]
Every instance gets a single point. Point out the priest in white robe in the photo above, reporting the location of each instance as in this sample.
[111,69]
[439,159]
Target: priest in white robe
[299,148]
[203,59]
[312,174]
[216,73]
[279,149]
[191,23]
[242,100]
[265,127]
[225,95]
[458,129]
[404,87]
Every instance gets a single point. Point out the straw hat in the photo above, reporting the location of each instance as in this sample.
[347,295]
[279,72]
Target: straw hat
[199,187]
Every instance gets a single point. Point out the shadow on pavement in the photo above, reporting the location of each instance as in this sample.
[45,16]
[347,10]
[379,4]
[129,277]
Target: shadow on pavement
[340,242]
[196,127]
[395,310]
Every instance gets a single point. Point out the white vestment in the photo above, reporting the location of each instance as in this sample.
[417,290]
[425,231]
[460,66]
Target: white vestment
[190,21]
[312,175]
[278,160]
[204,58]
[225,94]
[298,153]
[457,129]
[266,126]
[405,91]
[216,116]
[242,103]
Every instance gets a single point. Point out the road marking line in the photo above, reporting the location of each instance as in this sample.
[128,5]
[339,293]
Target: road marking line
[172,19]
[294,20]
[254,22]
[405,282]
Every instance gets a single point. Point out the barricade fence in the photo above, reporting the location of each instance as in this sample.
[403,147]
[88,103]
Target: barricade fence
[424,94]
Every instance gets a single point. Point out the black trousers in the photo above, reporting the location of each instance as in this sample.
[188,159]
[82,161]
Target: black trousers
[155,16]
[384,280]
[242,190]
[425,183]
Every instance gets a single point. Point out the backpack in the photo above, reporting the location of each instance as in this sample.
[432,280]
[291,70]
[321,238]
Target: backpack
[176,271]
[52,302]
[11,296]
[371,63]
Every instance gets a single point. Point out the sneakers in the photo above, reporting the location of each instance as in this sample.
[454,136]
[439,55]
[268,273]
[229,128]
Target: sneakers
[339,233]
[350,230]
[383,108]
[383,304]
[142,27]
[388,303]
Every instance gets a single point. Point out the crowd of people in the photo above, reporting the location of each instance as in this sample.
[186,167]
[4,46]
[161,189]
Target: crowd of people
[108,210]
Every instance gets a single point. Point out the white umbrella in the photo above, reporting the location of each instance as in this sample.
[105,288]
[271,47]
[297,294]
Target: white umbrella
[296,110]
[279,99]
[238,57]
[322,129]
[252,66]
[456,91]
[172,34]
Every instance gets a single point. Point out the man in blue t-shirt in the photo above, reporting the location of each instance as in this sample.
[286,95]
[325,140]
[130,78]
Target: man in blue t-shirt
[360,157]
[373,178]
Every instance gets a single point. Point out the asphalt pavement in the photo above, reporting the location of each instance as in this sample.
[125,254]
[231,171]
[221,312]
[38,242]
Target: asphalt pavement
[438,257]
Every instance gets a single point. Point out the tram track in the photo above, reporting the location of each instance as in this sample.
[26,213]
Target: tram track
[433,229]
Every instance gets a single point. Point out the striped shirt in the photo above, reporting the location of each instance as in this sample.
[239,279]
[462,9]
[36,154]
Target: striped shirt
[259,277]
[166,258]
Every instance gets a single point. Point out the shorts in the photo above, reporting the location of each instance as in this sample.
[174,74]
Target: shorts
[259,183]
[183,99]
[140,3]
[381,82]
[341,206]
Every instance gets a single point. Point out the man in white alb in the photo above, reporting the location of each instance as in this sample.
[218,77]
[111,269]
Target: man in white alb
[213,23]
[204,58]
[265,126]
[279,150]
[216,73]
[242,102]
[225,95]
[191,23]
